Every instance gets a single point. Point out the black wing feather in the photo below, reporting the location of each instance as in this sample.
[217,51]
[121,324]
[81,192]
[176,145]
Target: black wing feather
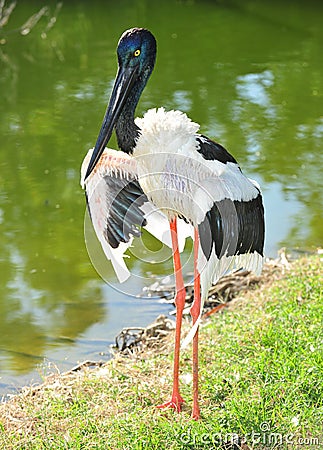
[233,228]
[211,150]
[124,218]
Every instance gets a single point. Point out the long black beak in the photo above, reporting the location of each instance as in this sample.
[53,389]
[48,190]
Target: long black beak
[122,86]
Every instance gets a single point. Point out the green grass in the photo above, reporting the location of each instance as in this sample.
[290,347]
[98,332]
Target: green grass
[261,378]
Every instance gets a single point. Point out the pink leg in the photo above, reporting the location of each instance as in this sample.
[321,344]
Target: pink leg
[195,312]
[176,399]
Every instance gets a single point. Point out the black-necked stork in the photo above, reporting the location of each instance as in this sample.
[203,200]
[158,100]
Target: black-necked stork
[166,175]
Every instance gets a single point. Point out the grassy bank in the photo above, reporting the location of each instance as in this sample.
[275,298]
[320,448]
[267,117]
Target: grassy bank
[261,384]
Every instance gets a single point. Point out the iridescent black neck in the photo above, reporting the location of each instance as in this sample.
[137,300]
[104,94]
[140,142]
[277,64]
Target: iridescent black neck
[126,130]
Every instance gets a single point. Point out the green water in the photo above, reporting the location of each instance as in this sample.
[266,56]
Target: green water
[249,72]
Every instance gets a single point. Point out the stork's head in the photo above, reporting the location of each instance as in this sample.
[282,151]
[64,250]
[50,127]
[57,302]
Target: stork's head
[137,51]
[136,57]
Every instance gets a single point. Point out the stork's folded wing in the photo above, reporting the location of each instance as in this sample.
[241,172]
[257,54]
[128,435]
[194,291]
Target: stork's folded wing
[119,208]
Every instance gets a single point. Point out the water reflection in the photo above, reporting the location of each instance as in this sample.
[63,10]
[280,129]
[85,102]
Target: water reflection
[249,73]
[253,88]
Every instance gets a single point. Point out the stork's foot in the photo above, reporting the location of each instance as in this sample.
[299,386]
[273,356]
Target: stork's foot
[196,413]
[175,403]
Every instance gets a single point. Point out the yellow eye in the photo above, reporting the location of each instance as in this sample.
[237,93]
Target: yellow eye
[137,52]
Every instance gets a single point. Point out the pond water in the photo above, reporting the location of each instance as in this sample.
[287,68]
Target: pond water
[249,72]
